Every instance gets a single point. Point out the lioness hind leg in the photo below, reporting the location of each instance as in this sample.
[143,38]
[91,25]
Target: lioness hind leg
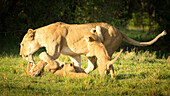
[76,59]
[92,64]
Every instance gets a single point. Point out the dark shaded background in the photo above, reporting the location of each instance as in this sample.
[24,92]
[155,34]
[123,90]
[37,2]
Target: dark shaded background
[16,16]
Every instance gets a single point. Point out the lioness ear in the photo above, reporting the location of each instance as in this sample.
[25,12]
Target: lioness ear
[31,34]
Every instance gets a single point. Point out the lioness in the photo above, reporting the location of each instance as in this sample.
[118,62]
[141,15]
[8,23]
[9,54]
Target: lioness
[68,39]
[93,48]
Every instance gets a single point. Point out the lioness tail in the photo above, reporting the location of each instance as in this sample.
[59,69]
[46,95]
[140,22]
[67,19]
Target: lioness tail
[134,42]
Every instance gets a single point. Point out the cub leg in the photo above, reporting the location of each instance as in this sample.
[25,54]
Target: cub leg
[36,69]
[111,71]
[102,70]
[77,75]
[31,60]
[28,68]
[76,59]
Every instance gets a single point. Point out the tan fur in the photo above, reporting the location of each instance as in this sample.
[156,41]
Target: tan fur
[97,33]
[97,49]
[68,69]
[64,70]
[72,70]
[36,67]
[94,48]
[27,70]
[68,39]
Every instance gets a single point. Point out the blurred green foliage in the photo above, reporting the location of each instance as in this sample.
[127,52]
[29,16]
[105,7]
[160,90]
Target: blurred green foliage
[16,16]
[24,14]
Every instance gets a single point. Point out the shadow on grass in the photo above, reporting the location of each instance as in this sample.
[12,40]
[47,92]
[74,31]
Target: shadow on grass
[125,76]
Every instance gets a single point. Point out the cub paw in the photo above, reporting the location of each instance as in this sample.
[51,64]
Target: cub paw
[47,68]
[35,71]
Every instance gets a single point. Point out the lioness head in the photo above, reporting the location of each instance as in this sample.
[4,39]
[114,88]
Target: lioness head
[28,45]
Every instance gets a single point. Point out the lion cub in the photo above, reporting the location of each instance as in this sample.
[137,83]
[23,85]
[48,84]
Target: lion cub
[69,69]
[96,48]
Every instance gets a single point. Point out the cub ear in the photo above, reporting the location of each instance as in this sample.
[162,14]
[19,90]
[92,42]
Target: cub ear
[93,30]
[99,33]
[62,65]
[71,64]
[89,39]
[31,34]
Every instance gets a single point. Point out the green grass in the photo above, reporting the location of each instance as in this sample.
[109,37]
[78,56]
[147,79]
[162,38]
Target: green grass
[137,72]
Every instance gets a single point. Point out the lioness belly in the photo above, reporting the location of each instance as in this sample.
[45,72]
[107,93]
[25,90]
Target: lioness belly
[68,51]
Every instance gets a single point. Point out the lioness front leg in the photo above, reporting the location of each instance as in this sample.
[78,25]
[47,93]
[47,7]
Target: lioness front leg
[53,52]
[51,55]
[46,62]
[45,59]
[50,62]
[36,69]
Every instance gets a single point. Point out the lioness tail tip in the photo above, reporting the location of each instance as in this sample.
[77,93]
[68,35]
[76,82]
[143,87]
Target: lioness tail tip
[164,33]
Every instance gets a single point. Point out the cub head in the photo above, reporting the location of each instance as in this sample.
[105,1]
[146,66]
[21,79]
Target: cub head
[28,45]
[97,33]
[68,67]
